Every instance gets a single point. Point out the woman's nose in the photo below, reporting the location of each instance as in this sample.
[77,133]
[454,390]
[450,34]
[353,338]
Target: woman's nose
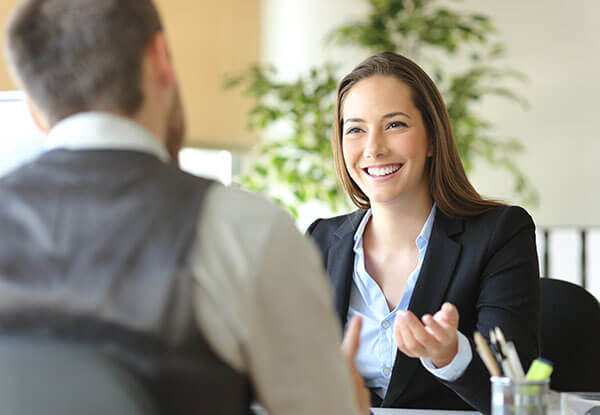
[375,146]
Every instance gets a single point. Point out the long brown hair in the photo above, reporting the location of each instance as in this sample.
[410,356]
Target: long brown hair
[448,184]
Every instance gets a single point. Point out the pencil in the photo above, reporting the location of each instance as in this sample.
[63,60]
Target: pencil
[515,362]
[486,355]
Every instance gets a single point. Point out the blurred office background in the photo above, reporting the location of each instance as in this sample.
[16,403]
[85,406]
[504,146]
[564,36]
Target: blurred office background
[556,47]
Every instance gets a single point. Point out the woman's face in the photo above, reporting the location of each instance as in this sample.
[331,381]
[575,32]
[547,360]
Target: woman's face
[384,141]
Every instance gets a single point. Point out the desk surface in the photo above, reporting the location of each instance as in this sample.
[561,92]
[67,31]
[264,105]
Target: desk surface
[390,411]
[553,409]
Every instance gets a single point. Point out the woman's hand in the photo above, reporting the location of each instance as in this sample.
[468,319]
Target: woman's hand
[434,337]
[350,346]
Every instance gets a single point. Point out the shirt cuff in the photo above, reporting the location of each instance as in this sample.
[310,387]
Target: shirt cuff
[457,366]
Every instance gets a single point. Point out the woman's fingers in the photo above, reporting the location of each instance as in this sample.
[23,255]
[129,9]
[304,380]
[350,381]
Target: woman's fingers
[447,316]
[405,326]
[432,337]
[421,335]
[398,336]
[435,329]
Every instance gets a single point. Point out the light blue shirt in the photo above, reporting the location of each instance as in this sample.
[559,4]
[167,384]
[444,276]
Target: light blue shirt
[377,352]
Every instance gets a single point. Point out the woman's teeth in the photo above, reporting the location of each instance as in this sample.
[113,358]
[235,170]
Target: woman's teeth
[382,171]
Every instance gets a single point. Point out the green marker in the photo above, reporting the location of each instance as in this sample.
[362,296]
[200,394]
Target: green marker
[540,369]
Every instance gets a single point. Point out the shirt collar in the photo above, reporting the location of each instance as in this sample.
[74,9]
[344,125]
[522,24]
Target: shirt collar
[361,230]
[421,241]
[423,238]
[103,131]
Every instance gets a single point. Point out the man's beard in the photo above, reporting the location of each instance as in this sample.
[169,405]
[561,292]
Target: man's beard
[175,128]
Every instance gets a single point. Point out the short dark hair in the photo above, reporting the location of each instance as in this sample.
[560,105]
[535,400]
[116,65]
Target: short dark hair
[72,56]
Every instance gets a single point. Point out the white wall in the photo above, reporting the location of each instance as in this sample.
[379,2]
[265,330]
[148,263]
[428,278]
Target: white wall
[557,46]
[294,33]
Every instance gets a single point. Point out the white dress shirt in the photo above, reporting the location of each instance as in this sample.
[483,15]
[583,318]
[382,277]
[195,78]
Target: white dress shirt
[263,301]
[378,349]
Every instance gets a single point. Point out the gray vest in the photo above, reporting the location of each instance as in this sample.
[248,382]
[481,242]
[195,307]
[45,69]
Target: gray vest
[96,247]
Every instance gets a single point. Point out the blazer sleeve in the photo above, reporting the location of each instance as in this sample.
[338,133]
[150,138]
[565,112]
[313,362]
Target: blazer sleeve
[509,298]
[310,230]
[320,233]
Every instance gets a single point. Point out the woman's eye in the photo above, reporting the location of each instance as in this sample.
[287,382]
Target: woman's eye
[396,124]
[353,130]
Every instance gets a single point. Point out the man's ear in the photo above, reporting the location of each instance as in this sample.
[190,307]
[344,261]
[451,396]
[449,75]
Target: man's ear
[160,58]
[38,120]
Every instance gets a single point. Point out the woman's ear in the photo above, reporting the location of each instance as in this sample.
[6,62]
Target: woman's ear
[430,148]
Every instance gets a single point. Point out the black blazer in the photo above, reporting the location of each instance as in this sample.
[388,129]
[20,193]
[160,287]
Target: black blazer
[486,265]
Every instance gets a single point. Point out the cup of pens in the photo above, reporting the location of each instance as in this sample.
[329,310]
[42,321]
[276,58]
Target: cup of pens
[513,391]
[519,397]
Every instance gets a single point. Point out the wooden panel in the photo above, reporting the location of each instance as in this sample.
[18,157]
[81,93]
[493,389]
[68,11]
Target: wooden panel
[208,40]
[6,6]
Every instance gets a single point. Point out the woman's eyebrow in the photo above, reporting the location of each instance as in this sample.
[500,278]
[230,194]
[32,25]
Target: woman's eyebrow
[353,120]
[386,116]
[393,114]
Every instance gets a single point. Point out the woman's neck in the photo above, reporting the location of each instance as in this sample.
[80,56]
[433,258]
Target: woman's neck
[397,224]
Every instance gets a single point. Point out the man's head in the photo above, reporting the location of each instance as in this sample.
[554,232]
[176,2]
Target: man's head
[73,56]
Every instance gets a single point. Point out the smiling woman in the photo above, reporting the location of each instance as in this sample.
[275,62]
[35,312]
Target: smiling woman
[425,261]
[401,82]
[384,144]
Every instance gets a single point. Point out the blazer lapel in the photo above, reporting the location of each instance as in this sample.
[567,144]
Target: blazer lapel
[340,263]
[429,293]
[438,266]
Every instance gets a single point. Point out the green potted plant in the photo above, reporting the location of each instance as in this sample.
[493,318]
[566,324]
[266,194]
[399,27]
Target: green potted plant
[296,167]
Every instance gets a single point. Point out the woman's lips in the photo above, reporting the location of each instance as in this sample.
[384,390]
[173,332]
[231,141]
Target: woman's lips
[383,171]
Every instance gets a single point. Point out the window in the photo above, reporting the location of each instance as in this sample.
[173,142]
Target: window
[213,164]
[22,140]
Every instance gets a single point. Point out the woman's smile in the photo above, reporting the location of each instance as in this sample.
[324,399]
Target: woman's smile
[382,172]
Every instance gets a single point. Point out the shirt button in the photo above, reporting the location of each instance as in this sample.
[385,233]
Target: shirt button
[387,371]
[385,324]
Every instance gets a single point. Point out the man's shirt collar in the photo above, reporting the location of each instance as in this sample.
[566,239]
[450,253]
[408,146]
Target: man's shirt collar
[103,131]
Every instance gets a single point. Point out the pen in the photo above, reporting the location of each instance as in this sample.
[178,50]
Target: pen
[500,357]
[501,339]
[486,355]
[494,346]
[511,357]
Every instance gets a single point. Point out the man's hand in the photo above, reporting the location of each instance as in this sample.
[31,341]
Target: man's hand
[350,346]
[434,337]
